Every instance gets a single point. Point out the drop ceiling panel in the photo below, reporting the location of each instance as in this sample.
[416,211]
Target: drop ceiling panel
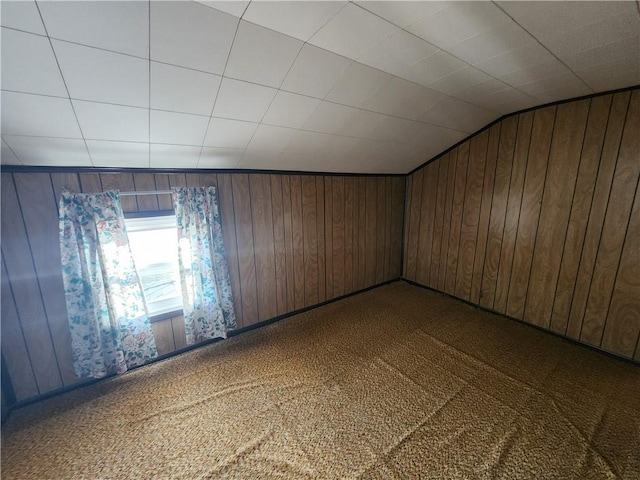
[183,90]
[191,35]
[101,121]
[7,157]
[229,133]
[460,80]
[54,152]
[403,13]
[315,71]
[352,31]
[117,26]
[101,76]
[232,7]
[432,68]
[36,115]
[173,156]
[392,98]
[177,128]
[458,115]
[219,157]
[357,84]
[243,101]
[270,138]
[29,65]
[21,15]
[516,60]
[397,52]
[327,118]
[294,18]
[290,109]
[261,55]
[112,154]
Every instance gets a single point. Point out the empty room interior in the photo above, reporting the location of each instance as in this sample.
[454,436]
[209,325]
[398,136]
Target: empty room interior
[320,239]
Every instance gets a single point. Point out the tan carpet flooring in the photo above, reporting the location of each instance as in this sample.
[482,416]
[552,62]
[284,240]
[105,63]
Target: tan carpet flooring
[397,382]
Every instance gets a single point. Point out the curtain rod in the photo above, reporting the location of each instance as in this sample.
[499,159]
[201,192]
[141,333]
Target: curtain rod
[148,192]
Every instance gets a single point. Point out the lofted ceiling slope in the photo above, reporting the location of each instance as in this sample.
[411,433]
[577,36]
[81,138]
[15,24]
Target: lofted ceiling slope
[360,87]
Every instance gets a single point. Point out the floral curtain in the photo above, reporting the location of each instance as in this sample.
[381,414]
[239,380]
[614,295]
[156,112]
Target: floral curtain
[206,286]
[108,320]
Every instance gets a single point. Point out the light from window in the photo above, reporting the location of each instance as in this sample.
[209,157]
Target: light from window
[154,246]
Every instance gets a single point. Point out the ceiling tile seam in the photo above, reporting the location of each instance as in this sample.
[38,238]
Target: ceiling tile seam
[245,9]
[12,150]
[215,101]
[22,31]
[447,52]
[55,56]
[545,47]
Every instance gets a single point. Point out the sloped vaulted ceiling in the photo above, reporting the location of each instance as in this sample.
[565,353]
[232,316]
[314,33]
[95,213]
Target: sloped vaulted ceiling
[373,87]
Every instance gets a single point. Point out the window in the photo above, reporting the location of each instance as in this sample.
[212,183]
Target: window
[154,245]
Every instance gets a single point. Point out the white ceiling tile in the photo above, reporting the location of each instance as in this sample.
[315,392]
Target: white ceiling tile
[177,128]
[173,156]
[360,123]
[403,13]
[418,103]
[459,21]
[559,87]
[298,162]
[100,121]
[392,97]
[229,133]
[243,101]
[460,80]
[327,118]
[398,130]
[118,26]
[538,72]
[118,154]
[54,152]
[232,7]
[261,55]
[22,15]
[290,110]
[506,101]
[29,65]
[219,157]
[270,138]
[7,157]
[397,52]
[352,31]
[259,159]
[183,90]
[315,71]
[458,115]
[24,114]
[101,76]
[191,35]
[515,60]
[600,79]
[491,44]
[625,51]
[314,143]
[434,67]
[357,84]
[479,91]
[296,19]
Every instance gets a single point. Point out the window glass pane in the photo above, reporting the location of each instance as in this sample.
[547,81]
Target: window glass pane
[154,246]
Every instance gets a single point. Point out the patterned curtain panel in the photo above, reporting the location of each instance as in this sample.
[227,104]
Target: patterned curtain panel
[206,286]
[110,329]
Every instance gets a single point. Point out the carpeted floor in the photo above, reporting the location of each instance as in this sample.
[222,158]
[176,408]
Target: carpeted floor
[398,382]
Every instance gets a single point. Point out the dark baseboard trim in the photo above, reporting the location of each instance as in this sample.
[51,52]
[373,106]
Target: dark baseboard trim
[159,358]
[617,356]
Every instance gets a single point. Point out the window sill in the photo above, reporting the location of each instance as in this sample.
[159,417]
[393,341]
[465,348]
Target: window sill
[164,316]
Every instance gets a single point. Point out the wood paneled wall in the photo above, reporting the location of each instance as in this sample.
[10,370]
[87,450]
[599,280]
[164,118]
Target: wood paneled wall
[293,241]
[538,217]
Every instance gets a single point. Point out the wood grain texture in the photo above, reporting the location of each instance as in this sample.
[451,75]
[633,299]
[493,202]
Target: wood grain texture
[179,334]
[163,335]
[623,188]
[277,208]
[608,159]
[397,219]
[518,169]
[298,242]
[337,236]
[457,210]
[379,229]
[388,198]
[534,182]
[162,183]
[362,232]
[310,239]
[288,242]
[446,227]
[348,235]
[582,199]
[427,214]
[328,228]
[61,181]
[146,182]
[320,220]
[471,214]
[413,235]
[124,183]
[485,212]
[371,229]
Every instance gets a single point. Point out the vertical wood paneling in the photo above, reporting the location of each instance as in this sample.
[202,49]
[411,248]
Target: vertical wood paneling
[348,235]
[554,213]
[91,183]
[60,181]
[371,229]
[228,220]
[328,228]
[310,239]
[355,239]
[362,232]
[246,257]
[518,169]
[387,228]
[407,222]
[288,242]
[298,245]
[485,212]
[582,198]
[543,123]
[541,228]
[162,183]
[615,225]
[163,335]
[397,210]
[608,159]
[320,214]
[179,334]
[380,223]
[146,182]
[457,208]
[338,235]
[122,182]
[471,214]
[263,247]
[278,238]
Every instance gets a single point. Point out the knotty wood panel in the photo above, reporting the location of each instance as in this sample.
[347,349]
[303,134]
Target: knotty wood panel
[544,228]
[543,123]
